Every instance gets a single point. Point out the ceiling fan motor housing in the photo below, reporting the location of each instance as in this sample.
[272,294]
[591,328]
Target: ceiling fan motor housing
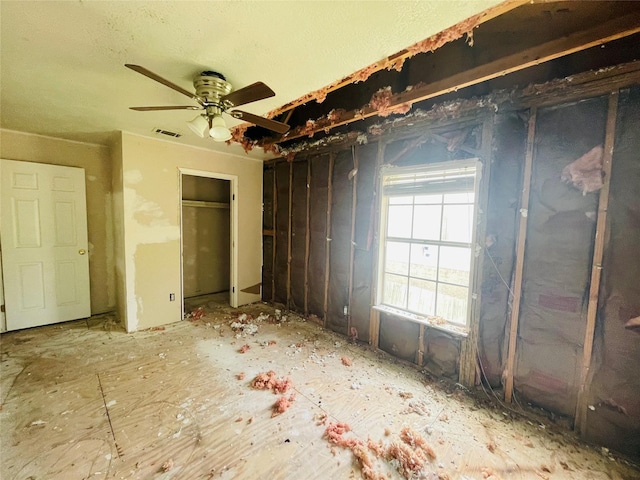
[211,87]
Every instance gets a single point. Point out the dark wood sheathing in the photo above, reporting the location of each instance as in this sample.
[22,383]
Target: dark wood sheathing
[441,355]
[298,234]
[615,387]
[364,224]
[267,240]
[282,232]
[267,268]
[318,235]
[340,245]
[399,337]
[557,262]
[510,133]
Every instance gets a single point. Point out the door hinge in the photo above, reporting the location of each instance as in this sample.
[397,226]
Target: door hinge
[233,197]
[233,289]
[2,308]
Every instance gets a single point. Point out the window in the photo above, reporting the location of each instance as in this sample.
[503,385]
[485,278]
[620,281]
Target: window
[426,237]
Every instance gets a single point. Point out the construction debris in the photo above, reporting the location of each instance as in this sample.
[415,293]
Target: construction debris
[244,348]
[346,361]
[409,455]
[270,381]
[282,404]
[196,314]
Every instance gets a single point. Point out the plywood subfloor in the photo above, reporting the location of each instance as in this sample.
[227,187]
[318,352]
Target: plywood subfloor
[86,400]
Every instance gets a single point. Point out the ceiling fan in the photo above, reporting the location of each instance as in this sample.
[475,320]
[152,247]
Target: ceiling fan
[215,96]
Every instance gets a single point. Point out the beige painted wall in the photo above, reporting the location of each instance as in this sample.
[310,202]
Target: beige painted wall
[150,222]
[96,161]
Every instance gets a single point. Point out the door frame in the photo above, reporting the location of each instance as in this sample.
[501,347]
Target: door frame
[233,229]
[51,311]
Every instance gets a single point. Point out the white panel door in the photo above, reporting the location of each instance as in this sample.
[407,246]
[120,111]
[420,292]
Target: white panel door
[43,229]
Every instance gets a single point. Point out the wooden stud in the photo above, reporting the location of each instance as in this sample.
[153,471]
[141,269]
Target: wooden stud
[520,246]
[275,237]
[307,239]
[352,252]
[374,315]
[415,143]
[289,234]
[464,148]
[420,354]
[596,266]
[469,345]
[288,117]
[327,250]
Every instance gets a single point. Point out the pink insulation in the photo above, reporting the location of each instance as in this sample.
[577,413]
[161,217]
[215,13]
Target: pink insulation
[586,172]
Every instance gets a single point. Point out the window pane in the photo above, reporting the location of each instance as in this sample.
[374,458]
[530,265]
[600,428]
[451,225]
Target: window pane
[429,199]
[399,221]
[457,223]
[424,261]
[465,197]
[422,296]
[452,303]
[395,290]
[455,264]
[397,258]
[426,222]
[400,200]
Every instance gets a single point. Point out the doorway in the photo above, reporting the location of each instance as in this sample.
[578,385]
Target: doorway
[208,228]
[45,248]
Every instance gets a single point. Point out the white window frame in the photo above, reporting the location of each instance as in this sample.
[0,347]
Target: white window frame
[424,171]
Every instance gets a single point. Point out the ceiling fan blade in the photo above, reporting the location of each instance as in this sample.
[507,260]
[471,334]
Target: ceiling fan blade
[150,109]
[251,93]
[159,79]
[263,122]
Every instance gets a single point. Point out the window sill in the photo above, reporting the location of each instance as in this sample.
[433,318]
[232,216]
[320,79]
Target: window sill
[446,327]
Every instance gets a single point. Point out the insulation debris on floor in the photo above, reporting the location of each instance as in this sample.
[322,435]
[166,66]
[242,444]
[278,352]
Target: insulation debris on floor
[86,400]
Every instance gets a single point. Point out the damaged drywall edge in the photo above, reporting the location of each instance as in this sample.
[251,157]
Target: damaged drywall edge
[451,110]
[498,99]
[383,102]
[396,61]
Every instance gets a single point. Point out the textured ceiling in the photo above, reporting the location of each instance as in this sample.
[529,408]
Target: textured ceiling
[62,62]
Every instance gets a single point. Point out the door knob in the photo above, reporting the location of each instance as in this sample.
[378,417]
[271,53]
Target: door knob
[82,251]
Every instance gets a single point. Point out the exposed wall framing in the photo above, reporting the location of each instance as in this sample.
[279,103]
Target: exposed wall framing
[340,210]
[520,246]
[596,265]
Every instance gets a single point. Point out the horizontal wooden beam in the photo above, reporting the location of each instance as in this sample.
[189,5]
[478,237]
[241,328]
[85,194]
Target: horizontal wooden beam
[606,32]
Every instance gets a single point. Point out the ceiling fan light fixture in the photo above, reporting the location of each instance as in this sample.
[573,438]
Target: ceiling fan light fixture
[199,126]
[219,131]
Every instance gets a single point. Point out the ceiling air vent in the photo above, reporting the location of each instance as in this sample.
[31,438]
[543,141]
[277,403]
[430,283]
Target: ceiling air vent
[162,131]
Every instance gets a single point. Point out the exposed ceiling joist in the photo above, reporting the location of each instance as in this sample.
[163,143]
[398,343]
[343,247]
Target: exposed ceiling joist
[396,60]
[611,30]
